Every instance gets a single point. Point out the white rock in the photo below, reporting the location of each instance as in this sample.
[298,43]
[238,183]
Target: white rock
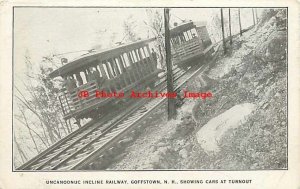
[183,153]
[180,142]
[212,132]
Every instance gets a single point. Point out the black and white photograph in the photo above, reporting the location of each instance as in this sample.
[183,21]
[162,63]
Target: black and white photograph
[104,89]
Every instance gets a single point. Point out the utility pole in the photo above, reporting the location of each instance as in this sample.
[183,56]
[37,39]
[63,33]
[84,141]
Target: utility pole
[256,16]
[230,26]
[170,80]
[223,35]
[241,33]
[253,16]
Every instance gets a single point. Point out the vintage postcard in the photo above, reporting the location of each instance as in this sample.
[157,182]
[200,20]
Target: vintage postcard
[175,94]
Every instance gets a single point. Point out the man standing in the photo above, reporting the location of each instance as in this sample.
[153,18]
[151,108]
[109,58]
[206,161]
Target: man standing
[154,55]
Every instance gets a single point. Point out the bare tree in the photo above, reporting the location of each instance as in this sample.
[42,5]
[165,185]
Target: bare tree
[223,36]
[21,152]
[37,107]
[214,27]
[155,24]
[129,25]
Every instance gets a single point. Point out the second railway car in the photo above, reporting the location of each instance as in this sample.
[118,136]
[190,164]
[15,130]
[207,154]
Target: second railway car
[123,68]
[190,44]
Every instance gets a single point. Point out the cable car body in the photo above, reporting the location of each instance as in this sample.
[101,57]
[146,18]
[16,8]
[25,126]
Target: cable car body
[190,44]
[118,69]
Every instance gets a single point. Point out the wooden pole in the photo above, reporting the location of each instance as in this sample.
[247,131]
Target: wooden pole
[230,26]
[170,87]
[241,33]
[253,16]
[256,16]
[223,35]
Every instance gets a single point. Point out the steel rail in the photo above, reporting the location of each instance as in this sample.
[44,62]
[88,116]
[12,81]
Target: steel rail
[39,161]
[120,130]
[83,145]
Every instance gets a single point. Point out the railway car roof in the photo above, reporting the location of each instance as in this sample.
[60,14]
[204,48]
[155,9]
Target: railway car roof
[181,28]
[185,26]
[200,24]
[90,58]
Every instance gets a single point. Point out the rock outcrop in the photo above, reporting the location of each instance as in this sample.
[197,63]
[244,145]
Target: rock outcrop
[212,132]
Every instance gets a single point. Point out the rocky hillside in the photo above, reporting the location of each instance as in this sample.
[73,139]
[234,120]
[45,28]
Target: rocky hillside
[243,126]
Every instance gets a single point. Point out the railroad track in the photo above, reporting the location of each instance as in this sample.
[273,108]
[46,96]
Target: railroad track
[98,138]
[71,143]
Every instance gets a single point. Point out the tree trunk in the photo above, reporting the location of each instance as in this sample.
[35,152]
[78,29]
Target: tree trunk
[241,33]
[43,139]
[21,152]
[31,136]
[230,26]
[223,35]
[42,119]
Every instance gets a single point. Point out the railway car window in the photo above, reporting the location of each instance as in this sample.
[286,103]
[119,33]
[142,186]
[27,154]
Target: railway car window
[111,68]
[103,72]
[183,39]
[114,67]
[118,65]
[129,58]
[189,34]
[137,55]
[186,37]
[125,57]
[175,40]
[123,61]
[142,53]
[83,77]
[74,78]
[194,32]
[106,71]
[99,70]
[134,56]
[172,41]
[78,79]
[146,51]
[86,75]
[178,40]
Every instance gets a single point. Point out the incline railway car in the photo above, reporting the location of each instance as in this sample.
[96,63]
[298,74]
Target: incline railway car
[190,44]
[121,68]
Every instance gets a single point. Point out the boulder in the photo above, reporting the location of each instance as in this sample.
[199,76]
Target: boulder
[183,153]
[274,48]
[212,132]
